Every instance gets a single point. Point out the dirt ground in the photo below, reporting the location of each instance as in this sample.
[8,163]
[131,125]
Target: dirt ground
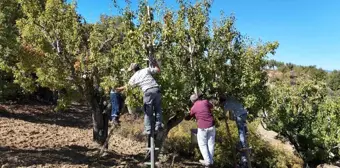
[36,136]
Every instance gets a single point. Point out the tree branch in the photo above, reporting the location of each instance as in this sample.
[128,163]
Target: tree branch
[175,120]
[58,47]
[43,29]
[104,43]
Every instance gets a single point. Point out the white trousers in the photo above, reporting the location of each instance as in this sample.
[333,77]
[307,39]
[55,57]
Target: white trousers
[206,142]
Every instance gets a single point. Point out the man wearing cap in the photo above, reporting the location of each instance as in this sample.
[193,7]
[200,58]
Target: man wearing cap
[206,131]
[152,95]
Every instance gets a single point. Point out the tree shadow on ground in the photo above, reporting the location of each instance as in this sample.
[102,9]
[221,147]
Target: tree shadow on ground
[77,116]
[72,155]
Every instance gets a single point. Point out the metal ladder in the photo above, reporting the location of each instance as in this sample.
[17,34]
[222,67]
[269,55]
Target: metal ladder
[151,144]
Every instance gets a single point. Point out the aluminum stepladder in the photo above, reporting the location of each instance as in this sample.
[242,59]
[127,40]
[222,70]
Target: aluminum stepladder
[151,143]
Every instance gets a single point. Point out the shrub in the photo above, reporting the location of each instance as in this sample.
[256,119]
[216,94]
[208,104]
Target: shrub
[263,155]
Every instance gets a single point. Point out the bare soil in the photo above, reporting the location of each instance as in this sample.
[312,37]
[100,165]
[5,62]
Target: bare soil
[35,136]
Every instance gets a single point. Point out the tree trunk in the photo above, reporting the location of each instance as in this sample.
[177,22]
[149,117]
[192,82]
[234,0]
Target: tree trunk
[161,137]
[100,127]
[100,117]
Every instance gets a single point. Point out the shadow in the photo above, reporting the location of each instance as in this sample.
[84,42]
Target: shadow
[136,161]
[76,116]
[66,155]
[71,155]
[192,164]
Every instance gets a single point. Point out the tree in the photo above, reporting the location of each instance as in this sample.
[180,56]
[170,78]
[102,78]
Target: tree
[190,57]
[304,115]
[9,13]
[333,80]
[54,32]
[311,72]
[82,59]
[273,64]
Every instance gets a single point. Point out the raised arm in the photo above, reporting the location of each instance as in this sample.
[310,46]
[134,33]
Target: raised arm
[157,66]
[120,89]
[155,69]
[130,83]
[190,114]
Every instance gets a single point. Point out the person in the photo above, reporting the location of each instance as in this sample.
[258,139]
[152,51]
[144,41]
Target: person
[206,131]
[238,113]
[117,104]
[152,95]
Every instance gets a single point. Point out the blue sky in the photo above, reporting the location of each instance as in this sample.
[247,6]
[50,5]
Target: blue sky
[308,30]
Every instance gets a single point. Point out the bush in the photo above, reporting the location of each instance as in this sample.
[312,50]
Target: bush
[179,140]
[263,155]
[8,90]
[309,118]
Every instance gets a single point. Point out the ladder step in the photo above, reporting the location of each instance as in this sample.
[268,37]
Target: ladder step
[149,163]
[245,149]
[150,148]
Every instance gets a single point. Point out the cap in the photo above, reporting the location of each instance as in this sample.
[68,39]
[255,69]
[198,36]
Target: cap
[133,66]
[193,97]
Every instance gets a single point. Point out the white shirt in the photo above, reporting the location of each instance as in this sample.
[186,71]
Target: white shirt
[143,78]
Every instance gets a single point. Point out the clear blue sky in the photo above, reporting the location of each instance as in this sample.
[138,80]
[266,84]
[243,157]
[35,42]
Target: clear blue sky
[308,30]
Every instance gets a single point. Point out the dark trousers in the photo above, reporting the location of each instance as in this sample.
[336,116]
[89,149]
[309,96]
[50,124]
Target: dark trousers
[152,103]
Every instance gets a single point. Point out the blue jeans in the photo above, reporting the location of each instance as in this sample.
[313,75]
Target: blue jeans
[116,104]
[242,131]
[152,103]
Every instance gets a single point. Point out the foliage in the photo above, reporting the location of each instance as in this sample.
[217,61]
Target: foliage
[309,72]
[333,80]
[134,97]
[183,39]
[273,64]
[9,13]
[8,90]
[179,140]
[303,114]
[263,155]
[61,51]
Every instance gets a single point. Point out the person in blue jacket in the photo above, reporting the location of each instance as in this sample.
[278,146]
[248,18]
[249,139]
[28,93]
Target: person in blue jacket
[239,114]
[117,103]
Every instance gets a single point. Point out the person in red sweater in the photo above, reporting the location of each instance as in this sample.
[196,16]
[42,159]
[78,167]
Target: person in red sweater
[202,111]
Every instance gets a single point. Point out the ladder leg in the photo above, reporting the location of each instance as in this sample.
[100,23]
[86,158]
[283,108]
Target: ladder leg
[152,144]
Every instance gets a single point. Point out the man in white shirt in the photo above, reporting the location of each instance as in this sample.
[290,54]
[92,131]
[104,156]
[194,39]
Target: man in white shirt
[152,95]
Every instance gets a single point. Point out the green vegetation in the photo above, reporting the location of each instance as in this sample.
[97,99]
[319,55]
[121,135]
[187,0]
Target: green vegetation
[46,43]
